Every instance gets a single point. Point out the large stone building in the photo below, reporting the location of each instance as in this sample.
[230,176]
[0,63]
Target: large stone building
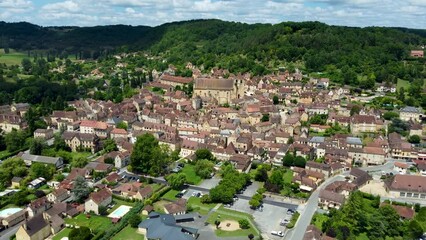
[175,80]
[81,141]
[410,114]
[407,186]
[222,90]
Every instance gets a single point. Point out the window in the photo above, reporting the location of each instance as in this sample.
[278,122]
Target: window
[423,196]
[415,195]
[402,194]
[409,194]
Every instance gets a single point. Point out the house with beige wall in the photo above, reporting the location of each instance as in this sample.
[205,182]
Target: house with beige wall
[37,228]
[98,199]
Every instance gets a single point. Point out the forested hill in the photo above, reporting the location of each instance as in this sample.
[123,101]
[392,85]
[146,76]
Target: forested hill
[237,46]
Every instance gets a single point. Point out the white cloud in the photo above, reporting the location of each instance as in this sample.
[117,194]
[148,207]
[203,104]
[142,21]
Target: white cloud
[67,6]
[15,4]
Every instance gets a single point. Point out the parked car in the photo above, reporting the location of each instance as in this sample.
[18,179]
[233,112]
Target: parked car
[284,222]
[278,233]
[290,211]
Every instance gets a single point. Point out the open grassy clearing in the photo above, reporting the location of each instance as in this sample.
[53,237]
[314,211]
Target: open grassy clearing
[128,233]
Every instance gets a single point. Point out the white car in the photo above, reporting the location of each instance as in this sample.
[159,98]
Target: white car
[278,233]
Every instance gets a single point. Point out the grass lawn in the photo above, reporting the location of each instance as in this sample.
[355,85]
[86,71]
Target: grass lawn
[10,205]
[288,176]
[96,223]
[76,155]
[156,186]
[12,58]
[119,203]
[128,233]
[159,206]
[362,237]
[64,233]
[191,177]
[202,208]
[225,214]
[170,195]
[402,83]
[318,220]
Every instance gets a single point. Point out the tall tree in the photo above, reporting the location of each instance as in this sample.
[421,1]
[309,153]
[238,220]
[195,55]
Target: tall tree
[148,156]
[81,190]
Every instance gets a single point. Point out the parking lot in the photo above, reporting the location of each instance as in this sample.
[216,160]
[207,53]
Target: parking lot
[210,183]
[189,193]
[267,220]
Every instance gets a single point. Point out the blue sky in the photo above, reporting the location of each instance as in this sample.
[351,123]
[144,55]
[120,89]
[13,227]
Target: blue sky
[397,13]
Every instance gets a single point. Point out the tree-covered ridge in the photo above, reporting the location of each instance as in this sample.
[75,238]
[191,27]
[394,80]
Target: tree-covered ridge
[347,55]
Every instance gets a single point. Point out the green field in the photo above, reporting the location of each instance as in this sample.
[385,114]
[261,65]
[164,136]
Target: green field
[288,176]
[170,195]
[223,214]
[202,208]
[96,223]
[406,84]
[12,58]
[191,177]
[159,206]
[64,233]
[402,83]
[128,233]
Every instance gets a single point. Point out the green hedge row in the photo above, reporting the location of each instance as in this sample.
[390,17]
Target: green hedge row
[11,154]
[108,234]
[293,220]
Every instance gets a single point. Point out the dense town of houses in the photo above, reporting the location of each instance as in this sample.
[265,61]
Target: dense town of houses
[226,116]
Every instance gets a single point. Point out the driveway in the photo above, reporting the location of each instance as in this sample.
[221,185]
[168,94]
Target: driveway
[251,190]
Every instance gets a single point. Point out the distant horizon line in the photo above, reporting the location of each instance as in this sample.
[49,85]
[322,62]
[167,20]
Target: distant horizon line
[207,19]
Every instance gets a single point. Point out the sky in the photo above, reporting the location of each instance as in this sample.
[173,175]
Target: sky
[361,13]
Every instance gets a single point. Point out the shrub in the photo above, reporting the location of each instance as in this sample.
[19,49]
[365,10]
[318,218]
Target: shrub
[134,220]
[244,224]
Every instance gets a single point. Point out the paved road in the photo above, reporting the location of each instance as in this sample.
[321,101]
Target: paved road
[6,234]
[311,205]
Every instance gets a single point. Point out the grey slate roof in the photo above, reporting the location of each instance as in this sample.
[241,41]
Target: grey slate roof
[42,159]
[163,226]
[410,109]
[354,140]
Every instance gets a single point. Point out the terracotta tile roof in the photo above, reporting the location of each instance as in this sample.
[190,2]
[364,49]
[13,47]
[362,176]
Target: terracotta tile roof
[100,196]
[170,78]
[94,124]
[403,211]
[176,207]
[332,196]
[213,84]
[409,183]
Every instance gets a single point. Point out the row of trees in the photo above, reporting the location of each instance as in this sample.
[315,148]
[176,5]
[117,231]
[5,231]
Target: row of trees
[362,214]
[231,183]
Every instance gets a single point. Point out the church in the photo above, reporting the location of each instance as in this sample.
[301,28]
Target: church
[220,89]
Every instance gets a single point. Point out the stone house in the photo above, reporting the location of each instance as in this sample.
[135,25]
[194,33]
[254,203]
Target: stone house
[37,228]
[77,141]
[97,199]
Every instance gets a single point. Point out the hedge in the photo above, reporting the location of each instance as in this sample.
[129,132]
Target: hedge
[108,234]
[293,220]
